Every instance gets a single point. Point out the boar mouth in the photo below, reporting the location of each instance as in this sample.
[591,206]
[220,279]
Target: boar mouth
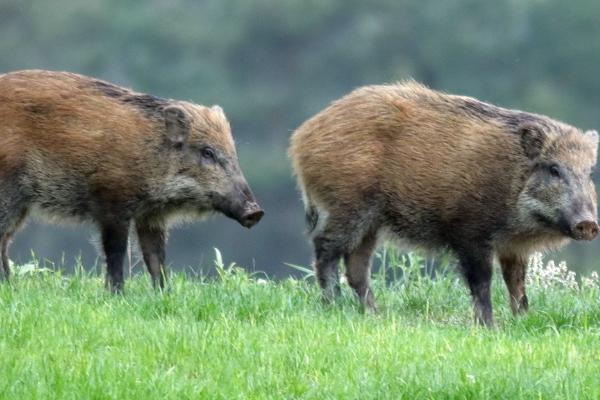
[547,222]
[562,225]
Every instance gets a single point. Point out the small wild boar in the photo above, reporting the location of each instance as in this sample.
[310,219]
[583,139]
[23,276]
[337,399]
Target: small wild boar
[441,171]
[73,147]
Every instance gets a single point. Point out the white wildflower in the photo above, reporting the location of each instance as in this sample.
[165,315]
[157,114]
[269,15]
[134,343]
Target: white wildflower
[550,275]
[591,282]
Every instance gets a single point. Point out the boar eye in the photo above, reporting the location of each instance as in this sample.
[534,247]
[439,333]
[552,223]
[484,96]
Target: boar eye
[208,153]
[554,171]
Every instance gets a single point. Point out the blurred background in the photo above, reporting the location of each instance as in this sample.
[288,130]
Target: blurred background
[272,64]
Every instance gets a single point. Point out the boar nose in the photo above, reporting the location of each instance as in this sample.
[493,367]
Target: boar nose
[586,230]
[252,214]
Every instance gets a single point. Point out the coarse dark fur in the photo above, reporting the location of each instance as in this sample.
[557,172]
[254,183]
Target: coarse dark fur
[435,170]
[76,148]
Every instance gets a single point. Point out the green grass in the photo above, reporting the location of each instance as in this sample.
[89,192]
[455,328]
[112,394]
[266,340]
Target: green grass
[236,336]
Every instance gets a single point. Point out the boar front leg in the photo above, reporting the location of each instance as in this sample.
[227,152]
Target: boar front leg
[476,266]
[114,242]
[152,241]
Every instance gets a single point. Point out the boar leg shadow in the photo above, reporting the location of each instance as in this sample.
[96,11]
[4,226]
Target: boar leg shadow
[114,242]
[152,244]
[358,271]
[513,272]
[476,266]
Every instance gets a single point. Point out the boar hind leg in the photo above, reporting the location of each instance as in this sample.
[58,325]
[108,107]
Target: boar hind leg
[476,266]
[358,271]
[327,257]
[114,242]
[513,272]
[335,240]
[11,217]
[152,243]
[5,237]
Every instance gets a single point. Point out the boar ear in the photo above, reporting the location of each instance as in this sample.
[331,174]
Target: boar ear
[177,125]
[532,140]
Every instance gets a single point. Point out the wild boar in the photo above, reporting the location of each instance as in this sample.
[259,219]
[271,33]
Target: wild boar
[441,171]
[78,148]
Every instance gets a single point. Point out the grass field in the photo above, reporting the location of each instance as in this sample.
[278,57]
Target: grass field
[239,336]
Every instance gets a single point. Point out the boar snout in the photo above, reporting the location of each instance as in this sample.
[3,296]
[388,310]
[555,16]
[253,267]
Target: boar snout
[252,215]
[583,224]
[585,230]
[241,206]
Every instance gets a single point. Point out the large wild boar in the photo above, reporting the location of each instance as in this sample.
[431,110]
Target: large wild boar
[73,147]
[437,170]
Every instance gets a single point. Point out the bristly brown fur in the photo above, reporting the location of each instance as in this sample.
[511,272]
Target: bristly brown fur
[74,147]
[436,170]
